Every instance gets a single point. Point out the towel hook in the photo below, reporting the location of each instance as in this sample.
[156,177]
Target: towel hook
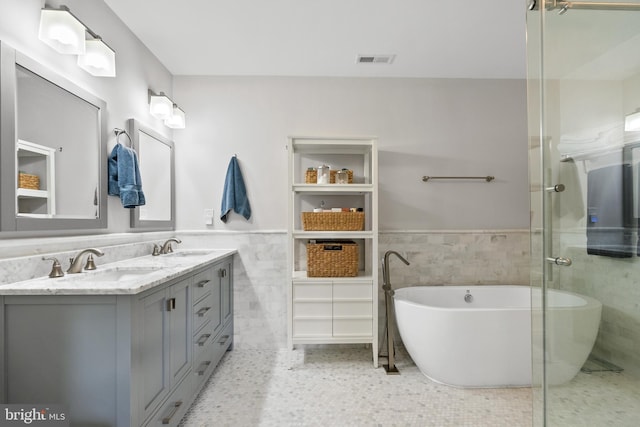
[119,132]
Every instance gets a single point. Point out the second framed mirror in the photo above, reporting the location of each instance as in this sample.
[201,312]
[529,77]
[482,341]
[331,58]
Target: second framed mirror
[156,161]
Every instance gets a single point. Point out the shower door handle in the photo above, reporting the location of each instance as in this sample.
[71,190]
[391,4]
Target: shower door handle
[565,262]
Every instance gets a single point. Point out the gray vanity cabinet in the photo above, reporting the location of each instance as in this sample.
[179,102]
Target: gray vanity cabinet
[118,360]
[164,341]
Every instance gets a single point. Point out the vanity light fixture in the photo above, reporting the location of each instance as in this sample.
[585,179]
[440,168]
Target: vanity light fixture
[177,119]
[62,31]
[163,108]
[160,106]
[632,121]
[99,59]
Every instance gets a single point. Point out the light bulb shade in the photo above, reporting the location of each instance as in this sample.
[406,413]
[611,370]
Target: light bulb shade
[160,106]
[632,122]
[177,119]
[98,59]
[62,31]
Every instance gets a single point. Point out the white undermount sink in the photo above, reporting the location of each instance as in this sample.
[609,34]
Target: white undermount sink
[113,274]
[189,252]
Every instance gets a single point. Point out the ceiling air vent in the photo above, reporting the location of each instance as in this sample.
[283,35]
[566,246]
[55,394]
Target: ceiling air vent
[375,59]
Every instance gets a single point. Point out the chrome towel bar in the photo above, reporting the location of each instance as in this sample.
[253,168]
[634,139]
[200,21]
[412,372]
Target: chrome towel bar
[487,178]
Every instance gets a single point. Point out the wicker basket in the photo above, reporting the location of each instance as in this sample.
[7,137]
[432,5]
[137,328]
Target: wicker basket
[25,180]
[311,176]
[336,258]
[332,176]
[333,221]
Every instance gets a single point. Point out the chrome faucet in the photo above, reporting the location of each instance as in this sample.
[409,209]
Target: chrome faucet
[166,246]
[76,262]
[386,282]
[390,367]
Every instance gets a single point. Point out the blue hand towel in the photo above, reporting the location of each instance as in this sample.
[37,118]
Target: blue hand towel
[234,196]
[124,176]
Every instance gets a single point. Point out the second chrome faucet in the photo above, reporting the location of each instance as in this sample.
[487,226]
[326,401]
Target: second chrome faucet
[166,247]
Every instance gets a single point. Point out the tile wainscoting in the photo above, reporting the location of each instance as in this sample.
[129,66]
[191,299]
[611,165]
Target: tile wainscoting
[469,257]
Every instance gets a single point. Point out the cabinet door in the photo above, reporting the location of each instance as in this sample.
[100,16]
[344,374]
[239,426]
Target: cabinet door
[179,329]
[226,290]
[154,355]
[216,293]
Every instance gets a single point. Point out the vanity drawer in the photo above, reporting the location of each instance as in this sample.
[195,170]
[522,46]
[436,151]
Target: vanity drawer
[209,356]
[352,308]
[320,327]
[347,327]
[172,411]
[359,290]
[311,290]
[202,311]
[202,284]
[202,343]
[312,308]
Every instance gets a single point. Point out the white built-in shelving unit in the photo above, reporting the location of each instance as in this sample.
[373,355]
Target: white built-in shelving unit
[333,310]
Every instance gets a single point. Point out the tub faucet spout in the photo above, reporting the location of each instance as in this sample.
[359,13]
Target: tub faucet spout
[386,281]
[390,368]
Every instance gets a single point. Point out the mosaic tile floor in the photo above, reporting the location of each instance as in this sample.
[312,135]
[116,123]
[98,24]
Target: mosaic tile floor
[339,387]
[597,399]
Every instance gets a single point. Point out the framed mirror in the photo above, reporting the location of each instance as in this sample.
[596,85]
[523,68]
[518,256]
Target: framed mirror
[52,150]
[155,159]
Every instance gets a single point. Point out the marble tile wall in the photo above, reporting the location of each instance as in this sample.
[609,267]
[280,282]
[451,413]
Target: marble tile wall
[452,257]
[21,259]
[448,257]
[614,282]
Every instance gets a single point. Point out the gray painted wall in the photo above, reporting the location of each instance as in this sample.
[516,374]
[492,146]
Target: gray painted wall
[425,127]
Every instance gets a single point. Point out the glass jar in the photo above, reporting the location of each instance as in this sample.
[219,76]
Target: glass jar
[323,174]
[342,176]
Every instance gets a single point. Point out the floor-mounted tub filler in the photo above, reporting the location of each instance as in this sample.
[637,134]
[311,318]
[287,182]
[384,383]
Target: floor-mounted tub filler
[480,336]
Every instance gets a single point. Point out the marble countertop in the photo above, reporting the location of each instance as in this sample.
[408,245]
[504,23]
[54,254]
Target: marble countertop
[128,277]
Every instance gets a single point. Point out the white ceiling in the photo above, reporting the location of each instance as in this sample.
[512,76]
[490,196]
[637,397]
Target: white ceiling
[445,38]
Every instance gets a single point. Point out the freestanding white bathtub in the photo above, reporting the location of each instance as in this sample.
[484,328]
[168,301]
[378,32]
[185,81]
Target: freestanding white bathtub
[480,336]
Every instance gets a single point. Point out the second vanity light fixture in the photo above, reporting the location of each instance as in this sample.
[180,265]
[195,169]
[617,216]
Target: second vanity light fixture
[62,31]
[162,108]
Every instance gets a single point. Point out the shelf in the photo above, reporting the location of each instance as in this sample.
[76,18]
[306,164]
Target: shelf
[302,276]
[32,215]
[29,193]
[332,145]
[321,235]
[333,188]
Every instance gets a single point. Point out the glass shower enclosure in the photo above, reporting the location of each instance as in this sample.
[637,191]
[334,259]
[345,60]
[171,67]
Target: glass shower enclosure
[584,155]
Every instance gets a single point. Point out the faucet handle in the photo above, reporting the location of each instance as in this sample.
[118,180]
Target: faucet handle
[90,265]
[56,268]
[156,250]
[169,248]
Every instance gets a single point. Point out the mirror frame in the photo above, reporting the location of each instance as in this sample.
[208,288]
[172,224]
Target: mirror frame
[135,129]
[9,220]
